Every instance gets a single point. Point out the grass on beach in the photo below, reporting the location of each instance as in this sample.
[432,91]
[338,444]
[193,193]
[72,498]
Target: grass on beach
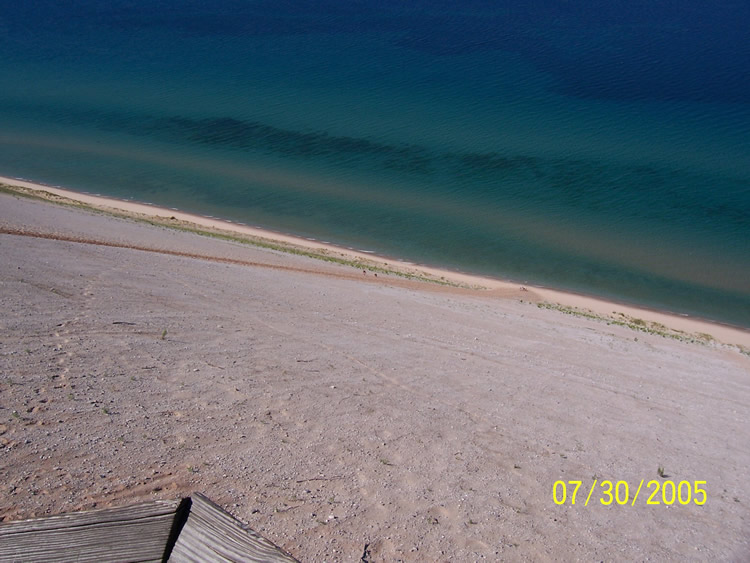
[634,323]
[179,225]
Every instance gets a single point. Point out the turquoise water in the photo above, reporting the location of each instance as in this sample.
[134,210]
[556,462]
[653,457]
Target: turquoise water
[598,150]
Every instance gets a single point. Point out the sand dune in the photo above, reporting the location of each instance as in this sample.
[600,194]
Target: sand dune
[347,416]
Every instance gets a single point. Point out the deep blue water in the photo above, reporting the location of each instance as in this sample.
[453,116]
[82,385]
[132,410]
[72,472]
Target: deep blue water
[597,147]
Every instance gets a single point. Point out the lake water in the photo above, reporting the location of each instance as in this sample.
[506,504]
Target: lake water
[600,149]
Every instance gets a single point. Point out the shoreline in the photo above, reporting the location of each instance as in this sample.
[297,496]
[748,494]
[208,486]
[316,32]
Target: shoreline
[565,301]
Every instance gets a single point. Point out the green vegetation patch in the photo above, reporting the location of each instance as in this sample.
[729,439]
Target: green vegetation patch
[169,222]
[633,323]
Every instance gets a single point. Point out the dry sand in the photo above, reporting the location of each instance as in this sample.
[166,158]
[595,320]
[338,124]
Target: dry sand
[343,415]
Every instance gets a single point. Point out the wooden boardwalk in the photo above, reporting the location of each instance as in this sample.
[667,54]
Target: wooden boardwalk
[194,529]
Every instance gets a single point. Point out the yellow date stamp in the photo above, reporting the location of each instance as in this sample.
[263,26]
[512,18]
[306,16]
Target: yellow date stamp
[666,492]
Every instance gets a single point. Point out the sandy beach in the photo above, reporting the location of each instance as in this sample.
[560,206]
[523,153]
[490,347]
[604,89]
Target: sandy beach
[348,416]
[584,303]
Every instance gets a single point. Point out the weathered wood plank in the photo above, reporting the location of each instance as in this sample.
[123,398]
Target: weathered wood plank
[130,533]
[211,534]
[96,516]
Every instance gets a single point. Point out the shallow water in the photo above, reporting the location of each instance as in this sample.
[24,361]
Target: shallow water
[599,150]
